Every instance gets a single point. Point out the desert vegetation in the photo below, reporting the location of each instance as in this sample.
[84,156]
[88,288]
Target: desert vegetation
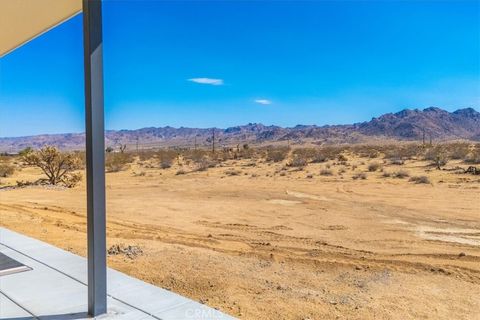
[320,229]
[376,156]
[63,167]
[115,162]
[59,167]
[6,169]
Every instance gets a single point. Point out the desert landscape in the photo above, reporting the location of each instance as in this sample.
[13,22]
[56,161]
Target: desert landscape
[273,160]
[351,231]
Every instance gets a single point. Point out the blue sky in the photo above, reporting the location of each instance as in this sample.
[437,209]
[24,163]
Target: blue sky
[203,64]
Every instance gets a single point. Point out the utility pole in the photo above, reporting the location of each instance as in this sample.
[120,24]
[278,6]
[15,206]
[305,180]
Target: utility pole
[213,140]
[195,144]
[423,137]
[137,144]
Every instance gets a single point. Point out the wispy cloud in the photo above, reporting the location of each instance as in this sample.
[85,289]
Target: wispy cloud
[263,101]
[210,81]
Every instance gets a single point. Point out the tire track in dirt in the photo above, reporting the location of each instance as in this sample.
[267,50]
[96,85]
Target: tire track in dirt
[264,243]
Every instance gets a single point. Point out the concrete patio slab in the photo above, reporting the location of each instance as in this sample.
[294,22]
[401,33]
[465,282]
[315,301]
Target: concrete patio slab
[56,288]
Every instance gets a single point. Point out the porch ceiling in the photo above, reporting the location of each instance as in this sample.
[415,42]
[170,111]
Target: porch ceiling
[23,20]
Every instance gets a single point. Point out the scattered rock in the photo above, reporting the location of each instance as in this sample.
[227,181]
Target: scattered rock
[473,170]
[129,251]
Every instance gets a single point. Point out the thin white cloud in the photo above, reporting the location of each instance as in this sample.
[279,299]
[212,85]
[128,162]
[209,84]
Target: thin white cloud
[210,81]
[263,101]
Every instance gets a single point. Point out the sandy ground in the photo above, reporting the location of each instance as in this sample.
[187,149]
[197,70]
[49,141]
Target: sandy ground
[261,245]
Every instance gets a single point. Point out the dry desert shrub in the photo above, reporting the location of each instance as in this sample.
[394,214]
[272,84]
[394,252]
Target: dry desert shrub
[180,172]
[342,158]
[401,174]
[233,172]
[72,179]
[361,176]
[195,155]
[115,162]
[58,166]
[402,151]
[166,158]
[306,153]
[397,162]
[277,154]
[298,161]
[6,170]
[82,158]
[240,152]
[246,152]
[374,166]
[145,155]
[225,154]
[140,174]
[22,183]
[326,172]
[438,155]
[318,155]
[474,155]
[332,153]
[458,151]
[420,179]
[365,151]
[313,155]
[205,163]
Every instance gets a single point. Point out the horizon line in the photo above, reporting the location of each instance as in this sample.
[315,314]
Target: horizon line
[238,125]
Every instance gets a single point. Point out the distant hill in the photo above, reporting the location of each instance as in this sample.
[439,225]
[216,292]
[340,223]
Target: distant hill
[410,124]
[407,124]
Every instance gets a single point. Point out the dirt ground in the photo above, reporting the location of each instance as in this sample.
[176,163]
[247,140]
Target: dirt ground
[258,242]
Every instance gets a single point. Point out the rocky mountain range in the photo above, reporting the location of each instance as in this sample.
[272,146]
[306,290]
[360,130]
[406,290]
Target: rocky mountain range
[429,123]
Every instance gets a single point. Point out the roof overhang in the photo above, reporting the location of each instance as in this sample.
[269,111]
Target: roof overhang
[23,20]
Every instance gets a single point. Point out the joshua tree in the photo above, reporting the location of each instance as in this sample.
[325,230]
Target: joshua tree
[58,166]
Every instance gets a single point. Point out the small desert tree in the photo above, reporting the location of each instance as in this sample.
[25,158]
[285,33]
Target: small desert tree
[438,156]
[58,166]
